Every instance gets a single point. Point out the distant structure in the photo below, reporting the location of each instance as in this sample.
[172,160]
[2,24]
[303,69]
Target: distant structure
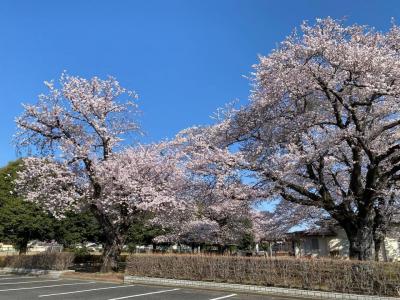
[7,248]
[38,246]
[325,242]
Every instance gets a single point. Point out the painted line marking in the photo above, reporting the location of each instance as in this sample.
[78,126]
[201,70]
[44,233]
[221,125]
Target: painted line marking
[46,286]
[90,290]
[223,297]
[145,294]
[22,282]
[15,277]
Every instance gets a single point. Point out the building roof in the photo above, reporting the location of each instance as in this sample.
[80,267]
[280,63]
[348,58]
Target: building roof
[312,232]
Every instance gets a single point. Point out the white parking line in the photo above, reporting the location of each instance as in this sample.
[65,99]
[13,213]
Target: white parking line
[46,286]
[145,294]
[22,282]
[15,277]
[83,291]
[223,297]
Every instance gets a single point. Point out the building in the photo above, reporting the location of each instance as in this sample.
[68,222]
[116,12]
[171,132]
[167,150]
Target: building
[326,242]
[7,248]
[38,246]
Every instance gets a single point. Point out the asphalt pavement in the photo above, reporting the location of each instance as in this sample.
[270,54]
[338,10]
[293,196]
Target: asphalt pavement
[15,287]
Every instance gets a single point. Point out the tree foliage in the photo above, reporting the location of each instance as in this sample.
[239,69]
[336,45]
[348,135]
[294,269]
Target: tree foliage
[77,229]
[77,130]
[20,221]
[322,127]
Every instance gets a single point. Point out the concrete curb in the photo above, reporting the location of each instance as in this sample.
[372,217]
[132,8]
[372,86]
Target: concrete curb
[36,272]
[275,291]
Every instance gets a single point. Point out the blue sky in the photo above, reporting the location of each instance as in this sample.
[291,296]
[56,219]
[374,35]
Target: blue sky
[185,58]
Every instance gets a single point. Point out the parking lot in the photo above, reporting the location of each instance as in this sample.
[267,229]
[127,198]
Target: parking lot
[13,287]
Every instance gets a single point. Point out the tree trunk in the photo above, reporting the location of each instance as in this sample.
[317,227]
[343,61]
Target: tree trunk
[22,246]
[381,226]
[384,253]
[23,249]
[114,240]
[361,242]
[377,245]
[111,254]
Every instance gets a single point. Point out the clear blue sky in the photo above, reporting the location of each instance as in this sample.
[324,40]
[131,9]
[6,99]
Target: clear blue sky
[184,58]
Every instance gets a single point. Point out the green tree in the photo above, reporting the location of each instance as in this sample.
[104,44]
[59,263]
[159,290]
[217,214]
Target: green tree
[20,221]
[246,240]
[78,228]
[141,233]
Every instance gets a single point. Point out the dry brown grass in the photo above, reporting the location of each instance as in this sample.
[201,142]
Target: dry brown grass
[372,278]
[44,261]
[107,277]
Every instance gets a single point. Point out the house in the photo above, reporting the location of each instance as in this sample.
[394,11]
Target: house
[326,242]
[38,246]
[7,248]
[89,246]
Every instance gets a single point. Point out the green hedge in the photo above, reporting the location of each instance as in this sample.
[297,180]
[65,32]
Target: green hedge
[371,278]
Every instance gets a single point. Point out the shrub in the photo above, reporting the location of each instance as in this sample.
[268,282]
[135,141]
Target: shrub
[92,262]
[373,278]
[82,258]
[44,261]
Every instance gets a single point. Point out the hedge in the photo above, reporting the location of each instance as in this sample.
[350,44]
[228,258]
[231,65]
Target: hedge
[43,261]
[93,262]
[369,278]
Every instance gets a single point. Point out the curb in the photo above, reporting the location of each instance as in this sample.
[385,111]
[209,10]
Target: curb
[36,272]
[275,291]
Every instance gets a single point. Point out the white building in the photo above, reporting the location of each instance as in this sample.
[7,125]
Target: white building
[38,246]
[330,242]
[7,248]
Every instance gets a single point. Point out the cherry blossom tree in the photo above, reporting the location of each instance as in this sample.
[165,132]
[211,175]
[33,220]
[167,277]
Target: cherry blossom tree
[206,220]
[322,127]
[216,200]
[275,224]
[76,131]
